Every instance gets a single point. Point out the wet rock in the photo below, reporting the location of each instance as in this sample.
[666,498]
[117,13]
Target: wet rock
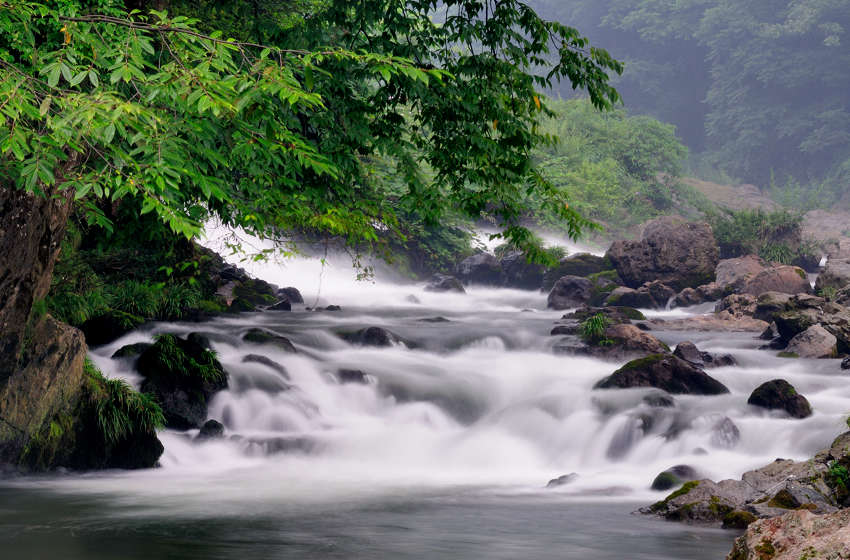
[737,305]
[615,314]
[780,395]
[131,350]
[263,336]
[796,535]
[333,308]
[814,342]
[565,329]
[109,326]
[674,477]
[250,294]
[282,305]
[690,353]
[517,272]
[659,400]
[779,278]
[212,429]
[562,480]
[791,323]
[769,304]
[677,253]
[413,299]
[722,322]
[444,283]
[663,371]
[266,361]
[200,339]
[570,291]
[373,336]
[352,376]
[845,363]
[725,434]
[622,341]
[695,296]
[579,264]
[835,275]
[738,519]
[434,320]
[732,275]
[482,268]
[290,294]
[651,295]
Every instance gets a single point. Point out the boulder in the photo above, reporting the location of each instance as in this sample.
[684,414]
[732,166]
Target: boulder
[131,350]
[579,264]
[674,477]
[779,278]
[252,293]
[835,275]
[732,275]
[517,272]
[814,342]
[290,294]
[677,253]
[570,291]
[737,305]
[690,353]
[183,376]
[702,294]
[109,326]
[482,268]
[615,314]
[769,304]
[266,361]
[282,305]
[263,336]
[352,376]
[373,336]
[791,323]
[444,283]
[212,429]
[200,339]
[561,480]
[778,394]
[651,295]
[663,371]
[796,535]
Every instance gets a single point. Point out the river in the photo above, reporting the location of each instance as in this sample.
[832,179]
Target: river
[444,453]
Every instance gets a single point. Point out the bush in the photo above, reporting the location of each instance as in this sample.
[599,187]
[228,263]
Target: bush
[774,236]
[592,330]
[168,356]
[120,410]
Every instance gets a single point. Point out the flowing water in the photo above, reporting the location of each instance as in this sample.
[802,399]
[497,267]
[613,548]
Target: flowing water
[444,453]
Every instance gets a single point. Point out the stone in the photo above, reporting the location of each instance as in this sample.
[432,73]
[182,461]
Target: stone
[579,264]
[778,394]
[814,342]
[517,272]
[615,314]
[373,336]
[200,339]
[266,361]
[845,363]
[796,535]
[835,275]
[444,283]
[690,353]
[779,278]
[212,429]
[725,434]
[483,269]
[737,305]
[659,400]
[769,304]
[333,308]
[569,292]
[663,371]
[733,274]
[677,253]
[701,294]
[674,477]
[565,329]
[263,336]
[651,295]
[282,305]
[562,480]
[352,376]
[109,326]
[290,294]
[131,350]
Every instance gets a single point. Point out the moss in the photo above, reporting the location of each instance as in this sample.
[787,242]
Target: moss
[211,306]
[718,509]
[738,519]
[784,500]
[809,506]
[686,488]
[642,363]
[765,549]
[788,355]
[631,313]
[801,273]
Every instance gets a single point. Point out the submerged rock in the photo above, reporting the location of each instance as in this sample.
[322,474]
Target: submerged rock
[352,376]
[131,350]
[780,395]
[690,353]
[212,429]
[562,480]
[266,361]
[373,336]
[663,371]
[263,336]
[282,305]
[444,283]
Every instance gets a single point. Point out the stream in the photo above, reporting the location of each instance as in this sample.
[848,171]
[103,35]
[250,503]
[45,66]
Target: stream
[445,452]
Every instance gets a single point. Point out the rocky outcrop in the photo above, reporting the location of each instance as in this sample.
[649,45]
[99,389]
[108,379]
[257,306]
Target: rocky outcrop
[732,275]
[579,264]
[677,253]
[814,342]
[701,294]
[797,535]
[444,283]
[482,268]
[663,371]
[778,394]
[517,272]
[835,275]
[779,278]
[620,341]
[569,292]
[651,295]
[290,294]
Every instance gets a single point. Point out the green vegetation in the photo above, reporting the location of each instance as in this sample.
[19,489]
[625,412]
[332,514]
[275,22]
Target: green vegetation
[169,357]
[592,330]
[774,236]
[685,489]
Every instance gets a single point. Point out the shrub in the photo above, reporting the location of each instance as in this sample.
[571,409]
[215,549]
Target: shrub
[121,411]
[592,330]
[167,356]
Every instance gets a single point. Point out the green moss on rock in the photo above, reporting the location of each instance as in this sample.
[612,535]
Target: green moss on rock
[738,519]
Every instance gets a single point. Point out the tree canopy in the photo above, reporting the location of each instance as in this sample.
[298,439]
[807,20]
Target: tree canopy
[278,127]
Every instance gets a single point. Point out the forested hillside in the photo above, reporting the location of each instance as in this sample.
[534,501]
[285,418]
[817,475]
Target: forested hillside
[757,90]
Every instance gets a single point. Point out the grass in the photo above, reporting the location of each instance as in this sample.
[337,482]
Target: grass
[169,356]
[592,330]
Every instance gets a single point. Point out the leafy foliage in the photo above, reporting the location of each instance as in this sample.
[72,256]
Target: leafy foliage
[592,330]
[774,236]
[168,356]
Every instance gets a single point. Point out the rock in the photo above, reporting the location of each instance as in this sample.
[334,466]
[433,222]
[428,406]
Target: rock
[282,305]
[845,363]
[677,253]
[769,304]
[579,264]
[835,275]
[737,305]
[651,295]
[814,342]
[738,519]
[482,268]
[373,336]
[437,319]
[722,322]
[252,293]
[690,353]
[779,278]
[200,339]
[131,350]
[663,371]
[659,400]
[444,283]
[725,434]
[791,323]
[695,296]
[183,376]
[780,395]
[212,429]
[517,272]
[674,477]
[623,341]
[290,294]
[268,362]
[615,314]
[797,535]
[413,299]
[109,326]
[565,329]
[732,275]
[352,376]
[263,336]
[570,291]
[562,480]
[333,308]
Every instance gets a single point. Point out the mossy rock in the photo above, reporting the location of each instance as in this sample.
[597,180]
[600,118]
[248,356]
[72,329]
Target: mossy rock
[131,350]
[788,355]
[738,519]
[783,500]
[109,326]
[685,489]
[262,336]
[254,292]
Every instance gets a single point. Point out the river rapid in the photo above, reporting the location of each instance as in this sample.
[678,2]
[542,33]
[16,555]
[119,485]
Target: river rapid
[444,453]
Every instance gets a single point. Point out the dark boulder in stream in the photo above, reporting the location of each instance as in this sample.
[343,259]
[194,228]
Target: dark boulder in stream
[444,283]
[482,268]
[373,336]
[663,371]
[263,336]
[570,291]
[780,395]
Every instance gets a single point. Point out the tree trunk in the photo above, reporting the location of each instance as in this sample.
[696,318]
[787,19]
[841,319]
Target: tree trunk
[31,231]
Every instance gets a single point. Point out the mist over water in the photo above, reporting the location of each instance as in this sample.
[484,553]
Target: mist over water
[472,409]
